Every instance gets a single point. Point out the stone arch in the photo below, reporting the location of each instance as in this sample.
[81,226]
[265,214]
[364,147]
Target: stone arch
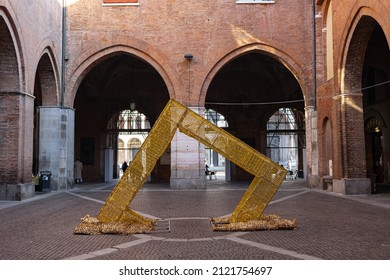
[134,142]
[87,63]
[294,65]
[46,79]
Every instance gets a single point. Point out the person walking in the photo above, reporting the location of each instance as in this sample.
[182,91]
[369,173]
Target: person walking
[78,167]
[124,167]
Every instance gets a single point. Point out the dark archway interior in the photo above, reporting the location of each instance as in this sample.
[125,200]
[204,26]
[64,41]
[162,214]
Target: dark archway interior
[9,74]
[116,82]
[45,93]
[248,91]
[37,104]
[257,81]
[110,87]
[376,101]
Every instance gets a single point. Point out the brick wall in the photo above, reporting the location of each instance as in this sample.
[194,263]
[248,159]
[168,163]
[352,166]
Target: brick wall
[166,30]
[9,141]
[340,99]
[28,29]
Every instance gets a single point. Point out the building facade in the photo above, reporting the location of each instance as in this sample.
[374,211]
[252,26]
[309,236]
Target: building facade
[69,67]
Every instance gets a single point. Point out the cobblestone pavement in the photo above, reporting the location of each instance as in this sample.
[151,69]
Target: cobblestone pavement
[330,226]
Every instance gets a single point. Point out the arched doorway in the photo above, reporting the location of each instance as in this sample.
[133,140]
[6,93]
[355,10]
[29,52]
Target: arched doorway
[376,101]
[45,102]
[374,128]
[361,93]
[286,140]
[9,86]
[16,116]
[126,131]
[215,163]
[247,90]
[117,84]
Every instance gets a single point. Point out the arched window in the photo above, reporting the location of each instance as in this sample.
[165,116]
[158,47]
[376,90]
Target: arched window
[133,146]
[282,138]
[327,149]
[134,143]
[121,151]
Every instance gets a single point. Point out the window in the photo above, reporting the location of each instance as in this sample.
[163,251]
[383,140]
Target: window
[119,2]
[282,138]
[255,1]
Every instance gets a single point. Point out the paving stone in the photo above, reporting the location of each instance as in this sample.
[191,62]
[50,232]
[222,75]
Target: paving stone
[329,226]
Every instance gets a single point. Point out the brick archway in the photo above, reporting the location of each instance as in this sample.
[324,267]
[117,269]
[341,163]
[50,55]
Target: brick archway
[16,107]
[9,57]
[262,77]
[46,86]
[46,92]
[350,163]
[290,61]
[86,64]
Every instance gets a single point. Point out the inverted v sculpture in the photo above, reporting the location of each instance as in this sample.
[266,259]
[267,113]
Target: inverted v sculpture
[116,216]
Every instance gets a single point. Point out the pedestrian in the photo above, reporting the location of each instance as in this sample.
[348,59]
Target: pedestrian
[124,167]
[207,171]
[78,167]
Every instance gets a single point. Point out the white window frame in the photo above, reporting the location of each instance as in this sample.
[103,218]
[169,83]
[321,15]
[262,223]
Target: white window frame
[255,1]
[119,4]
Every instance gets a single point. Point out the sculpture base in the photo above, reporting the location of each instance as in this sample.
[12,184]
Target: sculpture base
[266,222]
[91,225]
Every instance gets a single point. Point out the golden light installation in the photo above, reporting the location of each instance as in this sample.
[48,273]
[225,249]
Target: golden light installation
[116,216]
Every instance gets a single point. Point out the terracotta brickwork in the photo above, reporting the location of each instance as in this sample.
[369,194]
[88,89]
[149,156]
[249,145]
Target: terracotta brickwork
[340,98]
[28,30]
[163,31]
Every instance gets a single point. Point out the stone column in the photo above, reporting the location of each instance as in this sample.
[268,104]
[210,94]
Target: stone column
[108,164]
[313,179]
[56,145]
[187,160]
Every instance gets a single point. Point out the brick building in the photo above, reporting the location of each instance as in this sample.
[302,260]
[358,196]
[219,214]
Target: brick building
[68,68]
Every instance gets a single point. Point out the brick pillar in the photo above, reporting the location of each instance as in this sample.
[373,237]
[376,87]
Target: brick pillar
[56,145]
[350,171]
[187,161]
[16,145]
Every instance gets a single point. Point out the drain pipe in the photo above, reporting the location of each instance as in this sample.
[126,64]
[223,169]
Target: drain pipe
[314,55]
[63,150]
[63,53]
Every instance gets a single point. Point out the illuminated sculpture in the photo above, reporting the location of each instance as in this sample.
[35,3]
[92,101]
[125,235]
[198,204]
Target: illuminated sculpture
[116,216]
